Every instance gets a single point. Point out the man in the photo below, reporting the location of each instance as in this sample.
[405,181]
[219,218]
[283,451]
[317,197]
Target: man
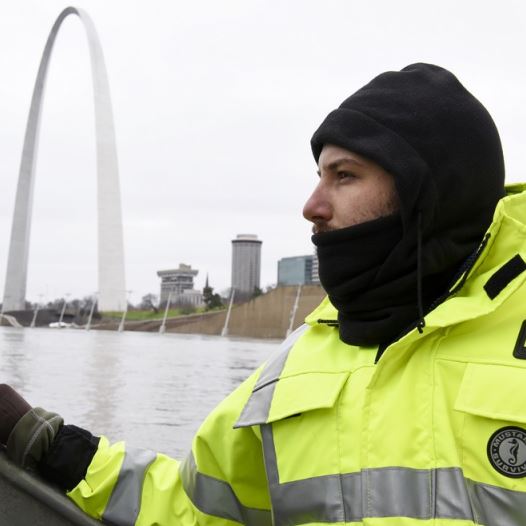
[400,399]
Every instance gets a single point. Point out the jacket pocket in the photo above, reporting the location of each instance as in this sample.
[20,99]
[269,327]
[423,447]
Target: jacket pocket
[290,396]
[493,391]
[303,413]
[493,437]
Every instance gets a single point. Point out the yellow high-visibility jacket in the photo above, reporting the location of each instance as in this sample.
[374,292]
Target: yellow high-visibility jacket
[434,432]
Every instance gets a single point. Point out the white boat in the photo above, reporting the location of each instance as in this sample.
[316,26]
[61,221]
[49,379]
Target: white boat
[59,325]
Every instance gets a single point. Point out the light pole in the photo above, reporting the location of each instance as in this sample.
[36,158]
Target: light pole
[92,309]
[67,295]
[35,314]
[224,332]
[121,324]
[294,310]
[162,328]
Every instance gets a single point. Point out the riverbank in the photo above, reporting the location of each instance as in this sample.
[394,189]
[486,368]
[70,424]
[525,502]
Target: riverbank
[267,316]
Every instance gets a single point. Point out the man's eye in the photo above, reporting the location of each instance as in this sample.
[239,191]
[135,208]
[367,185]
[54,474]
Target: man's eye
[345,175]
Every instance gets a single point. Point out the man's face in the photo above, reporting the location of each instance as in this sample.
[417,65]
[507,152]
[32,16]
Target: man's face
[351,190]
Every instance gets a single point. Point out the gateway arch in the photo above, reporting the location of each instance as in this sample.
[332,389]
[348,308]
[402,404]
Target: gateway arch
[111,284]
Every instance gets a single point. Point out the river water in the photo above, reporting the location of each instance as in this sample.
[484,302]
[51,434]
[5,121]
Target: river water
[149,389]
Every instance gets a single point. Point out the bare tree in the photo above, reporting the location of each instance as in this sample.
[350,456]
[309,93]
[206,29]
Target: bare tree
[149,302]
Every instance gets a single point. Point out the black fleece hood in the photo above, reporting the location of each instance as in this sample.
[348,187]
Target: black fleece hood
[443,149]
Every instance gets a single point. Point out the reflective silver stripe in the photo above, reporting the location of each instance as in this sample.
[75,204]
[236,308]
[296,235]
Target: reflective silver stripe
[216,497]
[442,493]
[451,494]
[494,505]
[257,407]
[352,496]
[125,501]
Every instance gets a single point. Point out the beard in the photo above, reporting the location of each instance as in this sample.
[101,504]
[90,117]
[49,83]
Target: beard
[389,208]
[321,227]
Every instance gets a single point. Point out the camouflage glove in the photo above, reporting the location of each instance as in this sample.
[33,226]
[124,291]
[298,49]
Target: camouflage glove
[27,432]
[12,408]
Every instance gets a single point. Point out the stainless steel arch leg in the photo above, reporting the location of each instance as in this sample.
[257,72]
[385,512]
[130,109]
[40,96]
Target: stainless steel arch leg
[112,290]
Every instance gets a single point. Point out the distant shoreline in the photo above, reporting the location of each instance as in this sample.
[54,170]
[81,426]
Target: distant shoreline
[266,317]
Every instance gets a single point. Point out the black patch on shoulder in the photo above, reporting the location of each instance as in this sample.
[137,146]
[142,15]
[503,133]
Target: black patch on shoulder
[520,350]
[507,451]
[505,275]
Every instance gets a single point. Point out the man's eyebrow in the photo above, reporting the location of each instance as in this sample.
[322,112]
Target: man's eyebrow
[344,160]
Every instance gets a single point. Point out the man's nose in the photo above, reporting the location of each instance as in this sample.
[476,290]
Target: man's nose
[318,207]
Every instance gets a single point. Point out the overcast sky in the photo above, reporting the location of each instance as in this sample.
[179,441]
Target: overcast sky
[214,105]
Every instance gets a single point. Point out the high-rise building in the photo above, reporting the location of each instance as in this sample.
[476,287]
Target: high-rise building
[315,269]
[246,264]
[180,283]
[296,270]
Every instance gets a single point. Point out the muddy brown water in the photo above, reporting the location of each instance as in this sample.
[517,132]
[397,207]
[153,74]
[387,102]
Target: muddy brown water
[149,389]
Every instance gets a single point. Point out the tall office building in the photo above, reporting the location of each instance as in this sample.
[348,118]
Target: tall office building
[296,270]
[246,265]
[179,283]
[315,277]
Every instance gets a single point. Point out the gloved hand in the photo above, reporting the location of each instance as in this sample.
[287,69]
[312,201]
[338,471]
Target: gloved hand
[12,408]
[26,432]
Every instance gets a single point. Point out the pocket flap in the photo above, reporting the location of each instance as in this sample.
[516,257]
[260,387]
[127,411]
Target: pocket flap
[493,391]
[290,396]
[305,392]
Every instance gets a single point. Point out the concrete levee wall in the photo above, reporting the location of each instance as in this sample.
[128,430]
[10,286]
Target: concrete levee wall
[267,316]
[44,317]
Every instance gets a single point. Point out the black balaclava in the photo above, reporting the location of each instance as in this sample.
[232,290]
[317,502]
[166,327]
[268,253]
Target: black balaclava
[444,152]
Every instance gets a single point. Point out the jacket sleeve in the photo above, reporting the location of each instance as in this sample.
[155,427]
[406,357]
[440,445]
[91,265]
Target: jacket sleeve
[221,482]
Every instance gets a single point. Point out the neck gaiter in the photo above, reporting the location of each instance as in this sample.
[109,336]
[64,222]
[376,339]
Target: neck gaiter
[374,306]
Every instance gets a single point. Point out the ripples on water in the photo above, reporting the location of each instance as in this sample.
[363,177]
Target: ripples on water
[152,390]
